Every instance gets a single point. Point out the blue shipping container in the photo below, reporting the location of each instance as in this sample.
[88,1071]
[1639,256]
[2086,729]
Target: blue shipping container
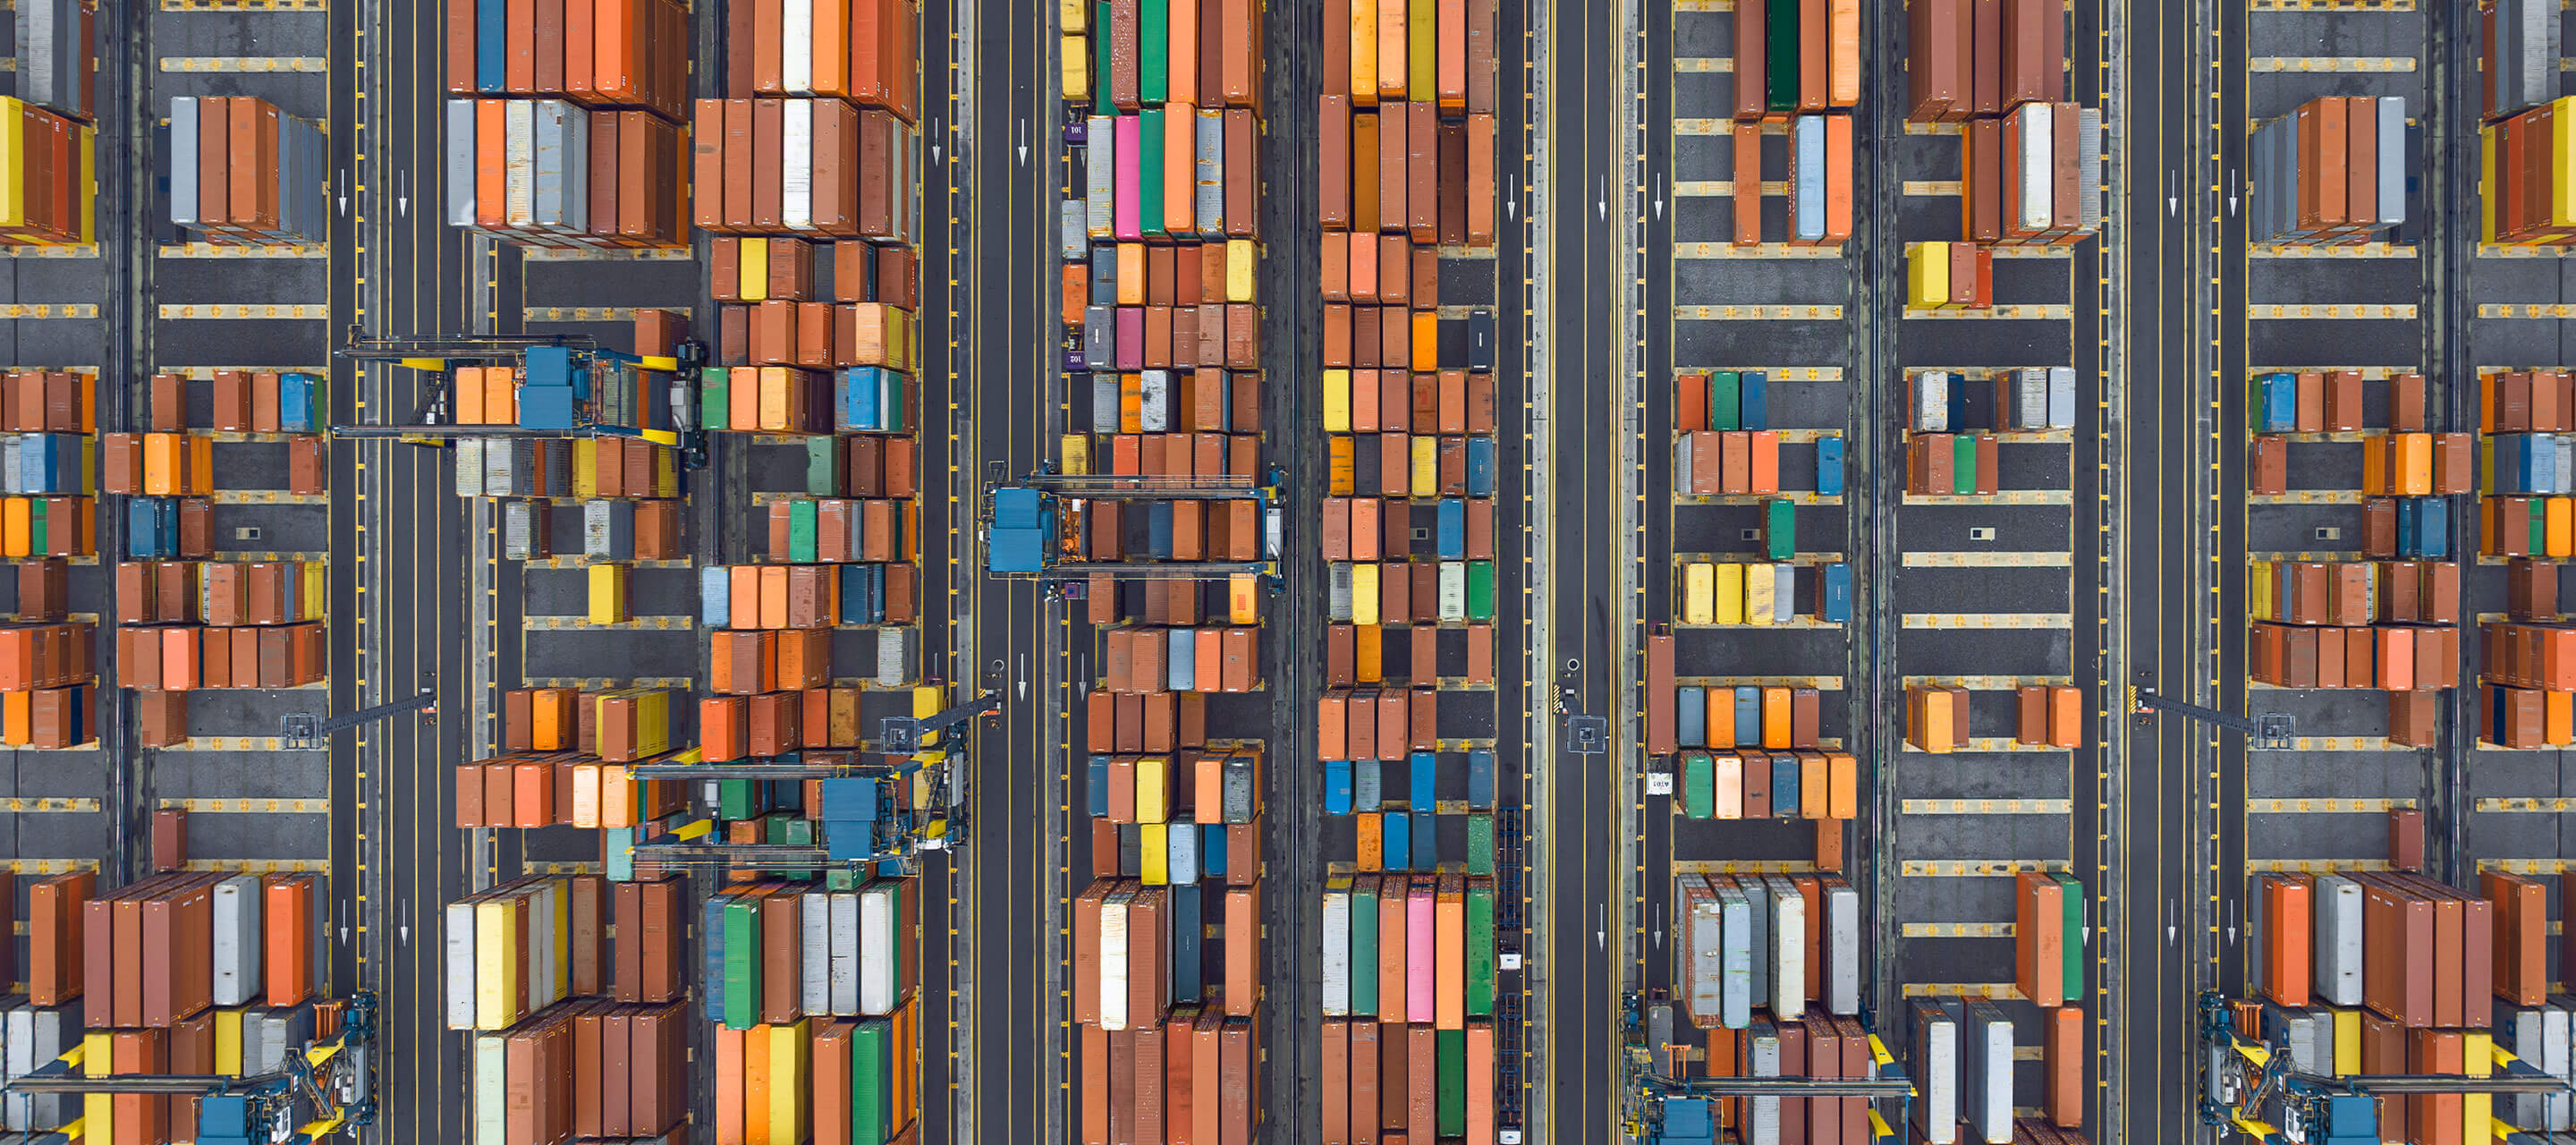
[1426,842]
[1368,791]
[1756,400]
[1480,466]
[1453,529]
[1096,773]
[1690,724]
[715,597]
[1186,931]
[1784,786]
[1337,788]
[1212,850]
[1836,592]
[1480,778]
[1425,786]
[1829,466]
[1397,839]
[1748,715]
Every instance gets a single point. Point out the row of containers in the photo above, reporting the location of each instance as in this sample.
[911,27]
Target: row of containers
[185,623]
[2526,466]
[1162,380]
[1797,76]
[48,521]
[2390,972]
[1410,985]
[48,137]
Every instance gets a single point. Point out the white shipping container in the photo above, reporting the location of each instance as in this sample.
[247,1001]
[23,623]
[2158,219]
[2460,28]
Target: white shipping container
[1703,948]
[1932,401]
[2061,397]
[1100,176]
[1104,403]
[796,47]
[469,467]
[2392,153]
[1784,593]
[1337,948]
[35,1038]
[2038,155]
[1935,1066]
[2557,1030]
[1155,414]
[1842,948]
[1337,596]
[879,966]
[1113,961]
[814,952]
[1180,660]
[845,953]
[1808,170]
[1789,935]
[2088,169]
[491,1089]
[460,965]
[796,163]
[1182,859]
[1763,1113]
[236,917]
[892,655]
[461,167]
[1681,465]
[1211,182]
[1453,590]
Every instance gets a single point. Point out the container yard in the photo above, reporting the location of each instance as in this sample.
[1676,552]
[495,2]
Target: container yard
[1180,571]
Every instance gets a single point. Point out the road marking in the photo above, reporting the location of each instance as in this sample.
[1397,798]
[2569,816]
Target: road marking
[2519,866]
[1981,560]
[603,683]
[1702,63]
[2326,806]
[240,743]
[2361,250]
[49,866]
[607,254]
[1975,868]
[2335,310]
[1758,313]
[593,313]
[266,497]
[33,806]
[1998,497]
[245,6]
[49,310]
[245,250]
[263,866]
[263,310]
[2004,991]
[1819,683]
[2309,497]
[1753,250]
[2519,250]
[2012,312]
[2331,5]
[1988,683]
[207,373]
[250,806]
[2318,866]
[2330,64]
[1743,866]
[83,250]
[2554,806]
[1955,930]
[245,64]
[1988,745]
[1944,188]
[1785,374]
[1985,806]
[2526,310]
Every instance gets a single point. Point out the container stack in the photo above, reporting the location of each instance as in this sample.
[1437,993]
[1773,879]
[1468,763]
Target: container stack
[2033,176]
[58,56]
[2388,625]
[2333,171]
[2519,44]
[2525,197]
[243,173]
[1408,1001]
[566,758]
[2390,972]
[1958,422]
[570,986]
[1797,68]
[48,176]
[1949,276]
[1748,752]
[1724,448]
[1166,1019]
[812,989]
[1729,594]
[1767,980]
[46,522]
[111,974]
[1968,60]
[596,158]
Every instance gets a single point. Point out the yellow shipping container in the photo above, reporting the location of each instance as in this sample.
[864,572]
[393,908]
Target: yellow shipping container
[1074,16]
[1153,849]
[228,1041]
[1729,589]
[1077,67]
[1153,789]
[1242,261]
[2486,180]
[1243,599]
[1699,592]
[2258,590]
[2562,189]
[608,594]
[752,280]
[98,1048]
[1364,593]
[558,939]
[317,589]
[1077,453]
[496,990]
[585,468]
[1337,401]
[1421,84]
[1927,275]
[788,1083]
[1761,597]
[2347,1042]
[1426,465]
[1363,55]
[2477,1059]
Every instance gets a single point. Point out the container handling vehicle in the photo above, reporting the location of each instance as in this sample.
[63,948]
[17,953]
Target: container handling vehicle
[1033,528]
[330,1079]
[2256,1086]
[572,387]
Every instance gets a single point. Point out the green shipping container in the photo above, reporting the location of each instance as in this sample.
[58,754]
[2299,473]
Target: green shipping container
[715,397]
[840,879]
[1480,949]
[2071,890]
[791,831]
[1779,530]
[1480,844]
[1422,71]
[1699,785]
[1100,104]
[1149,171]
[733,799]
[1963,464]
[800,531]
[1480,590]
[1153,53]
[1363,947]
[1780,57]
[1724,390]
[891,408]
[822,462]
[871,1103]
[1450,1047]
[742,963]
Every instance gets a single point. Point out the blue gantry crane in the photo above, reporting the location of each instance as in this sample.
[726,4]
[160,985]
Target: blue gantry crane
[570,386]
[1035,526]
[327,1086]
[2253,1083]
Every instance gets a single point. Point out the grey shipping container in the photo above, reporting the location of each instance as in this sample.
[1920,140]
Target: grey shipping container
[1988,1054]
[184,143]
[1842,945]
[608,530]
[237,940]
[1935,1062]
[2061,397]
[2338,954]
[34,1037]
[1809,171]
[461,167]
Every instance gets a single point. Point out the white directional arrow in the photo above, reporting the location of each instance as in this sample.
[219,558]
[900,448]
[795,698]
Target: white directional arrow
[1603,206]
[2231,924]
[1601,926]
[1659,927]
[1024,141]
[403,931]
[1511,198]
[344,922]
[2173,192]
[934,141]
[2170,915]
[402,193]
[344,192]
[1659,196]
[2233,183]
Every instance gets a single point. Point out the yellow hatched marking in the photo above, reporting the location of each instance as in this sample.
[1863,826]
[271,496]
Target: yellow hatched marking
[2019,312]
[1987,560]
[251,806]
[1956,930]
[1759,313]
[261,310]
[1985,806]
[1997,990]
[245,64]
[637,624]
[1975,868]
[2326,806]
[2368,64]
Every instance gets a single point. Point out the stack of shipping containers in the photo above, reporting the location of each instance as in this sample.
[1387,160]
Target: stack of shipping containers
[185,622]
[1407,136]
[563,121]
[48,145]
[2526,194]
[1986,458]
[2525,459]
[243,172]
[48,528]
[1797,75]
[1162,376]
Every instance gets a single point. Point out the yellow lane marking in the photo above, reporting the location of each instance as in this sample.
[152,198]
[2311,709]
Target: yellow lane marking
[2526,866]
[1982,560]
[1703,64]
[2361,250]
[1753,250]
[1985,806]
[29,806]
[228,250]
[2309,497]
[49,866]
[84,250]
[2330,64]
[2525,310]
[1956,930]
[1819,683]
[638,624]
[611,254]
[1999,497]
[2330,310]
[2327,806]
[1946,188]
[1995,745]
[1999,990]
[1786,374]
[263,866]
[49,310]
[1975,868]
[276,310]
[1759,313]
[2314,866]
[2014,312]
[244,64]
[1988,683]
[2549,805]
[1742,866]
[592,313]
[602,683]
[250,806]
[266,497]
